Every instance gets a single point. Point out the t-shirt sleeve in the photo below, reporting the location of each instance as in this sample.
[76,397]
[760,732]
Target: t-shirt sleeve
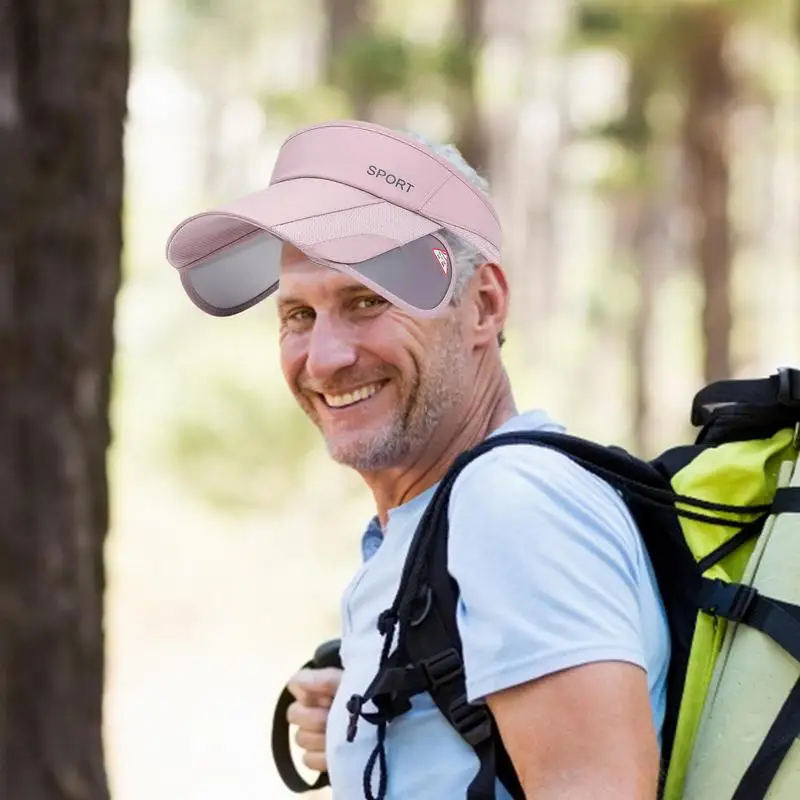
[548,563]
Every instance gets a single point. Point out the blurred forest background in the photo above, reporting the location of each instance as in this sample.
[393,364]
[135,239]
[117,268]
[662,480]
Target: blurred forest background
[645,160]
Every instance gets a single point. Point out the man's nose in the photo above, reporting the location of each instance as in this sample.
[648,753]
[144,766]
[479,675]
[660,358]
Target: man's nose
[331,348]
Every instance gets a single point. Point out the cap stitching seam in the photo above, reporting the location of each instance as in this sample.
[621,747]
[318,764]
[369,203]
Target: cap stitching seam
[229,244]
[419,148]
[340,183]
[433,192]
[419,211]
[259,229]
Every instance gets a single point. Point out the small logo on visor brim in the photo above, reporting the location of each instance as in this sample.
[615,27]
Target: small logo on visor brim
[442,258]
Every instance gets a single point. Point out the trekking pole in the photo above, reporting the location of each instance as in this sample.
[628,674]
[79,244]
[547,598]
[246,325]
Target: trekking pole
[326,655]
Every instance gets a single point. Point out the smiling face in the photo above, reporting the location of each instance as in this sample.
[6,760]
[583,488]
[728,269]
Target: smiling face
[376,381]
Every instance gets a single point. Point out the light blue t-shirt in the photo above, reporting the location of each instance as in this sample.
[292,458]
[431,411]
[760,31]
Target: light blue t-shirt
[552,574]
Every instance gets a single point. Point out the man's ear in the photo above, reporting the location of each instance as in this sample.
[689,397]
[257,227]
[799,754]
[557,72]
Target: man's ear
[489,300]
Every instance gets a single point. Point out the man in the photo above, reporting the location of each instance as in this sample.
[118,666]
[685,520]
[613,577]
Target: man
[384,252]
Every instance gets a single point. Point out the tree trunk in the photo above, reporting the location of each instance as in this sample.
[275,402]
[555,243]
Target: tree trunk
[544,28]
[644,251]
[63,84]
[709,100]
[640,241]
[347,20]
[471,132]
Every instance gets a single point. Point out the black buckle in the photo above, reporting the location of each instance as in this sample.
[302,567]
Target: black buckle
[788,386]
[731,600]
[743,600]
[473,723]
[443,667]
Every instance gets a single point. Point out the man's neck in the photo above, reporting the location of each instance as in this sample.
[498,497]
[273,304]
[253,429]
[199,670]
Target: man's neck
[488,411]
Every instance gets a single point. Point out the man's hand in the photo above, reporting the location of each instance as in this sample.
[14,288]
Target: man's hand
[314,690]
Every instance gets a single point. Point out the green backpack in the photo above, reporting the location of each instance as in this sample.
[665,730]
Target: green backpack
[720,520]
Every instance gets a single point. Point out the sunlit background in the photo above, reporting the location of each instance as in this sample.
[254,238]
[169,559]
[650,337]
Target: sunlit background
[233,535]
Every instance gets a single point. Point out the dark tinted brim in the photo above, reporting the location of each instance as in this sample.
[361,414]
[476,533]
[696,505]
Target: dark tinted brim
[228,262]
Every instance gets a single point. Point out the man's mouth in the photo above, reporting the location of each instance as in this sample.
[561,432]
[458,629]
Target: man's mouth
[354,396]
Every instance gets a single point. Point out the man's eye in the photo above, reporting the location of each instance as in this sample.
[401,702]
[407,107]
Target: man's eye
[299,316]
[369,302]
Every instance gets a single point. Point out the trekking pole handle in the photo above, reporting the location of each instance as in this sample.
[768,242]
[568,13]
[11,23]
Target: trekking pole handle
[326,655]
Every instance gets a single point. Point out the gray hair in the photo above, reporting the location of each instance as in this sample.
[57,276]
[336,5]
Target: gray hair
[467,258]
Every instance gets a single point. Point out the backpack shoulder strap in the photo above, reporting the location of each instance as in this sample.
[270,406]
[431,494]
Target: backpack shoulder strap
[429,653]
[431,639]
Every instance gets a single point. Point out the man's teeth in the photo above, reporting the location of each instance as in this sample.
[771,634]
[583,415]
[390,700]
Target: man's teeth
[340,400]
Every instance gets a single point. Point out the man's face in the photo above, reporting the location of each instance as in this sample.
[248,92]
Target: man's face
[375,380]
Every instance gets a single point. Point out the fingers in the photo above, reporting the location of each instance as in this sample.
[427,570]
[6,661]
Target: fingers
[311,742]
[315,687]
[315,761]
[313,690]
[308,718]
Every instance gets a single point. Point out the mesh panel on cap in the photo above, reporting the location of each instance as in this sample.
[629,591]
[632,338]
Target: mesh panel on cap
[485,248]
[381,219]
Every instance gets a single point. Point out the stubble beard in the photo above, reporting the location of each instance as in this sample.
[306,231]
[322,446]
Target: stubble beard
[437,388]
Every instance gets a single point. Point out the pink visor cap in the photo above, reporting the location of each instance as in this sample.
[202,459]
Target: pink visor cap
[356,197]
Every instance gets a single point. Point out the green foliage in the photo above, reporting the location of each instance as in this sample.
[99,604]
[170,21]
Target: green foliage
[652,38]
[205,402]
[631,129]
[613,296]
[236,449]
[597,23]
[455,63]
[374,65]
[308,107]
[377,65]
[796,23]
[624,26]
